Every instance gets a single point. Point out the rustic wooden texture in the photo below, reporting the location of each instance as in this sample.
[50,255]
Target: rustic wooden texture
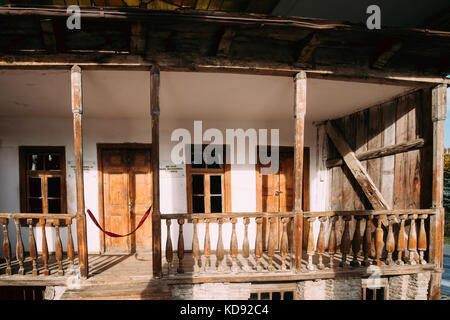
[19,247]
[156,214]
[439,111]
[32,246]
[6,246]
[299,116]
[169,247]
[180,247]
[77,110]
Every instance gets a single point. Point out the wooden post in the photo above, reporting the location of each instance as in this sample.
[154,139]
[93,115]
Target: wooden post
[77,110]
[439,111]
[299,116]
[156,215]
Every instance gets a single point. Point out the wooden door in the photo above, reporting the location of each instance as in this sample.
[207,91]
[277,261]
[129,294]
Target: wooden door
[276,191]
[127,194]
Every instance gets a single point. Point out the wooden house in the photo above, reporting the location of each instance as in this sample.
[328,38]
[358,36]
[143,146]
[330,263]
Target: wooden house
[86,120]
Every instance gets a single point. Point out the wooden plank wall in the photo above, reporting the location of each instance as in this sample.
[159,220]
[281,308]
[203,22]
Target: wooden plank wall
[404,179]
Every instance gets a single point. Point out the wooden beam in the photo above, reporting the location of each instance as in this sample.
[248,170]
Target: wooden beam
[224,45]
[299,116]
[385,54]
[381,152]
[439,112]
[138,37]
[307,48]
[156,215]
[77,110]
[48,35]
[358,171]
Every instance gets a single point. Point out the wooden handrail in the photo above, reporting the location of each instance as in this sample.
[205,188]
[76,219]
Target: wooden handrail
[307,214]
[226,215]
[21,215]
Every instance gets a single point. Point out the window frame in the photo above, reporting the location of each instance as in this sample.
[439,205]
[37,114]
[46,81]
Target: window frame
[224,172]
[24,173]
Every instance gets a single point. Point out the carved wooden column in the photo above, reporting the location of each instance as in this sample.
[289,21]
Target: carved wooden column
[77,110]
[439,111]
[156,215]
[299,116]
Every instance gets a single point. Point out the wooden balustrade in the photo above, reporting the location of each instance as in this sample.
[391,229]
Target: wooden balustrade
[40,264]
[377,248]
[238,257]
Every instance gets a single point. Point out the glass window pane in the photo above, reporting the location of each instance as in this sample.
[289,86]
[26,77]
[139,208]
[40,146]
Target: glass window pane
[288,295]
[276,296]
[198,204]
[253,296]
[216,204]
[194,165]
[265,296]
[198,186]
[34,187]
[215,184]
[35,205]
[54,206]
[36,162]
[54,187]
[53,161]
[218,160]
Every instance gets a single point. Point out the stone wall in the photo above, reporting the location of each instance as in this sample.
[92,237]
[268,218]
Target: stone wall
[211,291]
[409,287]
[330,289]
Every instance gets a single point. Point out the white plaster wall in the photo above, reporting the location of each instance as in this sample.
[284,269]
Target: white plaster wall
[23,131]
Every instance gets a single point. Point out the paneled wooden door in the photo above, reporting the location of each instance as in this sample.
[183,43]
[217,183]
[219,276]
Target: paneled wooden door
[127,194]
[275,192]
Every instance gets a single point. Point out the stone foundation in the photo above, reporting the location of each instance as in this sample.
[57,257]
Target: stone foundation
[330,289]
[212,291]
[409,287]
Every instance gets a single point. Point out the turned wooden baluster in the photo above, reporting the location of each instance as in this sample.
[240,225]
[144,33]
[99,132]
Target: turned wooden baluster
[32,245]
[180,250]
[207,246]
[345,242]
[258,244]
[412,239]
[44,246]
[390,242]
[234,246]
[19,247]
[195,247]
[321,242]
[401,240]
[284,243]
[220,254]
[271,245]
[378,241]
[58,248]
[70,248]
[332,241]
[422,238]
[310,246]
[169,246]
[367,246]
[357,241]
[6,246]
[246,245]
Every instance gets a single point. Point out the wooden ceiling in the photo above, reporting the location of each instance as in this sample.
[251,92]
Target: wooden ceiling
[253,6]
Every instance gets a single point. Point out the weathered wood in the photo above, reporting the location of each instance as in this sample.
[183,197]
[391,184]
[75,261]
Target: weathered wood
[356,242]
[332,241]
[180,248]
[32,247]
[372,213]
[284,243]
[138,37]
[44,246]
[412,239]
[19,247]
[439,111]
[401,136]
[422,244]
[271,244]
[6,246]
[220,253]
[308,47]
[169,247]
[390,242]
[246,244]
[310,248]
[234,246]
[380,61]
[379,242]
[70,247]
[156,215]
[259,243]
[224,45]
[77,110]
[58,248]
[299,116]
[345,242]
[321,243]
[358,171]
[381,152]
[207,246]
[401,240]
[48,35]
[367,246]
[195,247]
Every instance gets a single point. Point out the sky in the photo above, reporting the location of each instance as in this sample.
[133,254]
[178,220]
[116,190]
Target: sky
[447,121]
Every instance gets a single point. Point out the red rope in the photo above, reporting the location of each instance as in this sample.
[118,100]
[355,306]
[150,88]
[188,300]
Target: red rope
[115,235]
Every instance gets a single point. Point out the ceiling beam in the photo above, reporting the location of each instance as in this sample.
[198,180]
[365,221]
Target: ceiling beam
[138,37]
[385,53]
[48,35]
[226,37]
[307,48]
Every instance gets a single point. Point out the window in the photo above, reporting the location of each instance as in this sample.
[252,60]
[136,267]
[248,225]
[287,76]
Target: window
[375,289]
[208,184]
[273,291]
[42,179]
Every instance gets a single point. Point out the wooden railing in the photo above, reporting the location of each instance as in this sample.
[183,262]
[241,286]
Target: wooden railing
[41,221]
[380,237]
[213,256]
